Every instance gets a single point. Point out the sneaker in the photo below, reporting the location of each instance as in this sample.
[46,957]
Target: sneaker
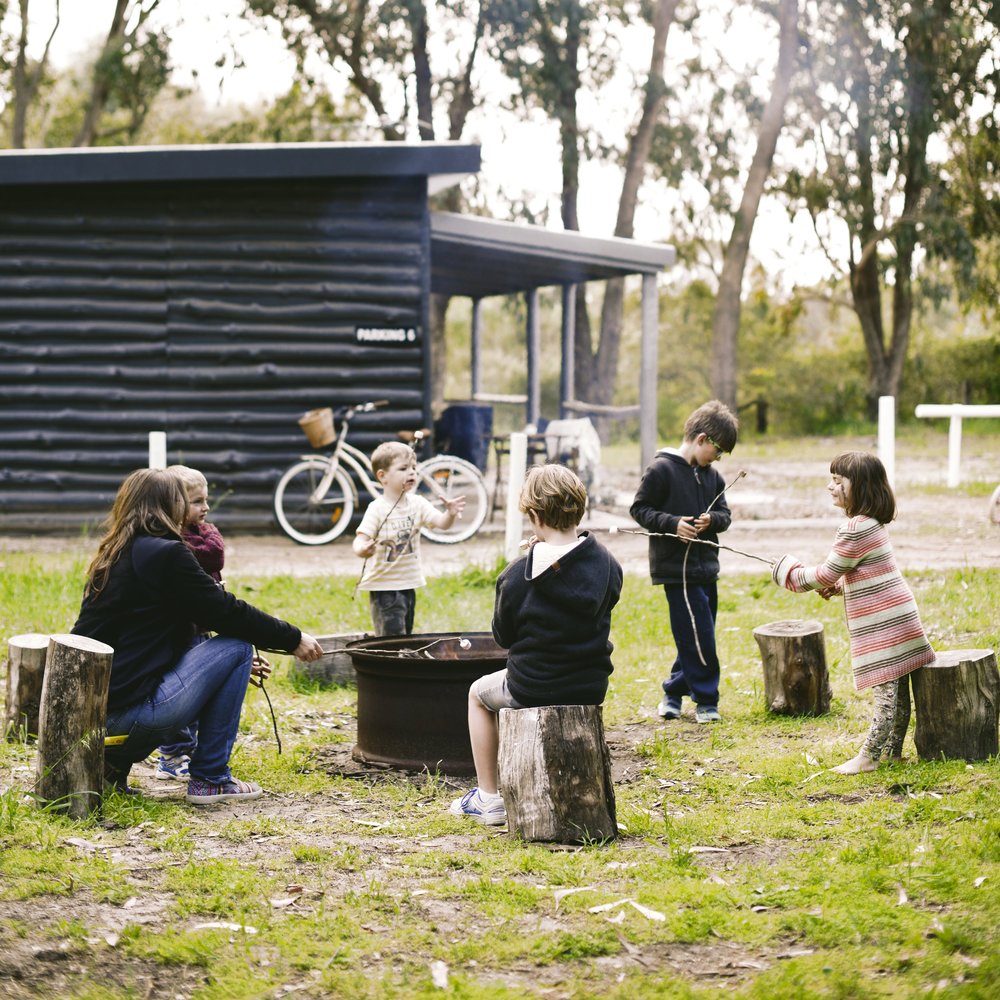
[206,793]
[175,768]
[707,713]
[669,708]
[472,804]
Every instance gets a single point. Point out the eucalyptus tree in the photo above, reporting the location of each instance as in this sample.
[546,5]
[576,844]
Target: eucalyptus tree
[728,300]
[554,50]
[120,85]
[903,109]
[715,149]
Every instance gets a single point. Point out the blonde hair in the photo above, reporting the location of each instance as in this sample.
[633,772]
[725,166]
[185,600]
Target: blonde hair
[148,502]
[556,496]
[387,453]
[191,479]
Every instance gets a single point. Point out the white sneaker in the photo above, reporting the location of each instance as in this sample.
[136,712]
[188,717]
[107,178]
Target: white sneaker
[172,768]
[488,811]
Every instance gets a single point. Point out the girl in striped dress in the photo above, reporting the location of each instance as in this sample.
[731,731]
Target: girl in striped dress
[887,640]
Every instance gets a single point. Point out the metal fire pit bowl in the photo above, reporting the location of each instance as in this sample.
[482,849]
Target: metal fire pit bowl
[413,706]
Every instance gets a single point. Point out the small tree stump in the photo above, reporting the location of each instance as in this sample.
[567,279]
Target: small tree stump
[334,666]
[796,681]
[70,765]
[555,774]
[956,700]
[25,672]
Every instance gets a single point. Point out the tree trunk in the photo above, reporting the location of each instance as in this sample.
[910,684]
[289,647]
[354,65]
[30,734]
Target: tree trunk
[25,673]
[796,681]
[602,372]
[70,764]
[100,87]
[956,702]
[555,774]
[726,317]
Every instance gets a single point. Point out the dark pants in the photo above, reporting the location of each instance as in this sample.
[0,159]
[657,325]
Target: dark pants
[689,676]
[392,611]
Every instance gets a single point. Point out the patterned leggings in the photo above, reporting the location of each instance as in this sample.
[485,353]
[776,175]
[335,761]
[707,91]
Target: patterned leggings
[891,720]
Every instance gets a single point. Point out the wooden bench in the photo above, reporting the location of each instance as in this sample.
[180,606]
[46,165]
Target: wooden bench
[555,774]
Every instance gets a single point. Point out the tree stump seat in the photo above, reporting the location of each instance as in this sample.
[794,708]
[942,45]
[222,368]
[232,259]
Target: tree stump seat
[69,767]
[25,674]
[956,701]
[796,681]
[555,774]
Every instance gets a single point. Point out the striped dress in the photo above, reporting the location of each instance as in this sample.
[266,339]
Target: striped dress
[887,639]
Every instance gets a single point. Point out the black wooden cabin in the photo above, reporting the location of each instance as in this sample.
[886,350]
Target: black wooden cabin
[214,293]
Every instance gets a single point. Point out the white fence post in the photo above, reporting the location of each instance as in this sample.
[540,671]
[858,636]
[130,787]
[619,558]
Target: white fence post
[887,436]
[517,466]
[955,412]
[157,449]
[954,449]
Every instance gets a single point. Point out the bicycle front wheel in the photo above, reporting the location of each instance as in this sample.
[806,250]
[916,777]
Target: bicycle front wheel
[303,517]
[453,477]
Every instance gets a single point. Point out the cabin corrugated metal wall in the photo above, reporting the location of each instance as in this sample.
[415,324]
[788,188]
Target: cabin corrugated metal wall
[217,312]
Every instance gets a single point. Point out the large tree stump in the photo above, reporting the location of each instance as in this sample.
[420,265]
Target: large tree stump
[796,681]
[956,701]
[25,671]
[69,769]
[555,774]
[334,666]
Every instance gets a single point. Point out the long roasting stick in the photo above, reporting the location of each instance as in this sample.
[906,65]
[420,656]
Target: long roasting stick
[615,530]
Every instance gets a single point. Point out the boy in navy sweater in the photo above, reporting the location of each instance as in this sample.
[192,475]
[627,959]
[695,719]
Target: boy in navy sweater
[553,615]
[683,496]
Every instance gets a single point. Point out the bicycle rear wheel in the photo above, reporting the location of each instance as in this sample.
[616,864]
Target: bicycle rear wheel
[453,477]
[308,521]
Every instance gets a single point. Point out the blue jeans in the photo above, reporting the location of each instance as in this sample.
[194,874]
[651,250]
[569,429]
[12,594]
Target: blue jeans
[689,676]
[187,738]
[207,687]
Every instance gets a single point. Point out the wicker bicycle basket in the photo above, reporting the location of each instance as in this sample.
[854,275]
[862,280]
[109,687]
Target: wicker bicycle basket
[318,426]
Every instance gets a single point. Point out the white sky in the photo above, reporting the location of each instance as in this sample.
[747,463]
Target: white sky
[520,157]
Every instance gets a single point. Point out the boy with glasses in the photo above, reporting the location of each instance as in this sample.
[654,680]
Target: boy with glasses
[681,495]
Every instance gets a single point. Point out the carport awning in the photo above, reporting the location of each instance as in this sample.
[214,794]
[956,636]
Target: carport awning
[476,257]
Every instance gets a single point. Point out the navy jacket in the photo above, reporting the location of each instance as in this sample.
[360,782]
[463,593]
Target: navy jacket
[672,488]
[556,626]
[154,592]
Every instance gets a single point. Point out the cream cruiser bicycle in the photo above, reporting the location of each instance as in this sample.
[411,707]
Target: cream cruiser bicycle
[315,499]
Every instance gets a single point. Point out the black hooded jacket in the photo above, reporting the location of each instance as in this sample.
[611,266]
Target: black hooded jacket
[672,489]
[556,626]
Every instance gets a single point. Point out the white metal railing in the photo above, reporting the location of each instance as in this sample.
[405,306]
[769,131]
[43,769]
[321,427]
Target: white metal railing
[955,412]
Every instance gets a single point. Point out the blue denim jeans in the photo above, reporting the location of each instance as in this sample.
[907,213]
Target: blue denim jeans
[207,687]
[689,676]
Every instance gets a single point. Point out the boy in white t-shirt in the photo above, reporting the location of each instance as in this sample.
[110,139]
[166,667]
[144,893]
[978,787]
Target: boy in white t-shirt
[388,538]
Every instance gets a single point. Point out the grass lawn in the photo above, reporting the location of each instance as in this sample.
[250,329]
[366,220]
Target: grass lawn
[757,873]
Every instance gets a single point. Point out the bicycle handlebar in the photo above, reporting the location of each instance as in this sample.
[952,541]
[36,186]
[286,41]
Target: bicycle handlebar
[349,411]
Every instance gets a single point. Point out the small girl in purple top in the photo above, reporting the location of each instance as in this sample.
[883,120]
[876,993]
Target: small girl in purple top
[205,541]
